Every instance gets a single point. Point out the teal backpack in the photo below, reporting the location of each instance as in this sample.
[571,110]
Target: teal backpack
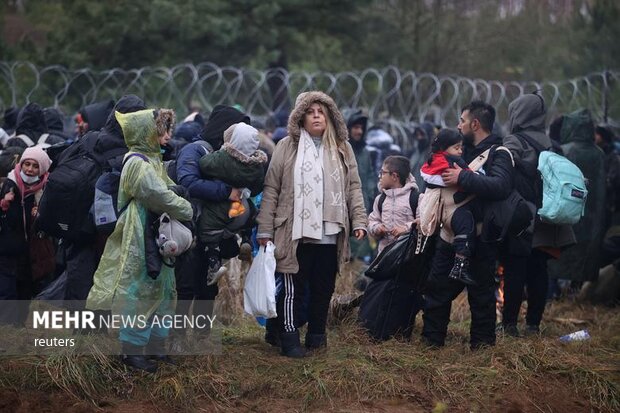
[563,185]
[564,189]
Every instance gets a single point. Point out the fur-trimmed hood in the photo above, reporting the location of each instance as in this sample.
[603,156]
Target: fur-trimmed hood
[143,128]
[303,102]
[257,158]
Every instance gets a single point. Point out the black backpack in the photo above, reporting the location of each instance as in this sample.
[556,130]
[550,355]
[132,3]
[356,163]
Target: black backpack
[64,209]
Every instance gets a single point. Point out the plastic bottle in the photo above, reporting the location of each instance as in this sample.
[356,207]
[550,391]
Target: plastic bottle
[580,335]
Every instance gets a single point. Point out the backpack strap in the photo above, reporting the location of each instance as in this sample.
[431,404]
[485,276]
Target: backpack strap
[127,158]
[413,200]
[503,148]
[381,201]
[137,155]
[25,139]
[43,138]
[537,146]
[481,159]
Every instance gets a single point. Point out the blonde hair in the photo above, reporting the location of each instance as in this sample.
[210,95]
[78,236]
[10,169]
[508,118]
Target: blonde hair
[329,135]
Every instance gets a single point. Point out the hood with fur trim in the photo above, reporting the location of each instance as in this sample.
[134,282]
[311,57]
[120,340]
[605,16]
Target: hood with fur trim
[143,128]
[303,102]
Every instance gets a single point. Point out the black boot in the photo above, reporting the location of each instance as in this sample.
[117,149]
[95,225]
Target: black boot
[156,350]
[291,347]
[272,333]
[133,356]
[460,271]
[315,341]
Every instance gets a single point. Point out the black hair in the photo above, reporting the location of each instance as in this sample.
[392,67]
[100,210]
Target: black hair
[399,165]
[444,139]
[483,112]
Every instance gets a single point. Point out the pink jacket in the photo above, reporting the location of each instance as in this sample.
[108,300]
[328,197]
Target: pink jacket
[396,212]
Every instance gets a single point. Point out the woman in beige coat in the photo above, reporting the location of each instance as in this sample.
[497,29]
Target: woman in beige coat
[312,201]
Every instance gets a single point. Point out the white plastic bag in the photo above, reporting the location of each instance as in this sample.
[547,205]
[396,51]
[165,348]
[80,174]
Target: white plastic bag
[259,292]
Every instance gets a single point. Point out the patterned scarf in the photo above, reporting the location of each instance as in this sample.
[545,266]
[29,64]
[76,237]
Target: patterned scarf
[319,205]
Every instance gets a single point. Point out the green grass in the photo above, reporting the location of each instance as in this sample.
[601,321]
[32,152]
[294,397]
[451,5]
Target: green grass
[354,373]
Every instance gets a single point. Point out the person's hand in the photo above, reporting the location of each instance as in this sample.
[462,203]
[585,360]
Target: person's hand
[34,211]
[360,234]
[9,196]
[451,175]
[263,241]
[398,231]
[235,194]
[380,231]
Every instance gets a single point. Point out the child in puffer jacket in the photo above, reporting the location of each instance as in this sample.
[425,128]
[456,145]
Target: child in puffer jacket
[393,217]
[240,164]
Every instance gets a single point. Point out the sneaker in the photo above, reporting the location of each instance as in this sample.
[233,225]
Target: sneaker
[460,271]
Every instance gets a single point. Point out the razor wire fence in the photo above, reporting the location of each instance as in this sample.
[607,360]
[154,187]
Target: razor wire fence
[392,96]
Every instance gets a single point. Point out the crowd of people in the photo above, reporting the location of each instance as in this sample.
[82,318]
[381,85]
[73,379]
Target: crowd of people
[331,188]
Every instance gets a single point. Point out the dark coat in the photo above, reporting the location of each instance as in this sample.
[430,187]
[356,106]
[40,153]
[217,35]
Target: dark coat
[189,175]
[581,261]
[497,181]
[13,231]
[225,166]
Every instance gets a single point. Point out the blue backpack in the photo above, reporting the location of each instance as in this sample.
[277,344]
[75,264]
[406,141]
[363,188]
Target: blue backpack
[564,189]
[564,192]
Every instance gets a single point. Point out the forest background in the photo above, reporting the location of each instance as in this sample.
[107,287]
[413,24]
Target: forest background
[489,39]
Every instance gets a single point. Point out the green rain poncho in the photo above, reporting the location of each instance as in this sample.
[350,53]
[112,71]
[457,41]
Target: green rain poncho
[121,283]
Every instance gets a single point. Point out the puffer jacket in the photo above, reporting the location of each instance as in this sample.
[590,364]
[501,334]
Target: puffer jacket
[395,211]
[275,220]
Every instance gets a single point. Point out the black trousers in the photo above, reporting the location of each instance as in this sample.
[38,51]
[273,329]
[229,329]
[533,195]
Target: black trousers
[441,291]
[525,272]
[82,261]
[191,278]
[318,264]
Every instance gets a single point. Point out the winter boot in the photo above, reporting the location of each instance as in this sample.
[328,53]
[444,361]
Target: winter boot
[133,356]
[272,334]
[460,271]
[291,347]
[315,341]
[156,350]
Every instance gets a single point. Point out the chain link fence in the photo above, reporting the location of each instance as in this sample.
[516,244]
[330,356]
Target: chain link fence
[396,97]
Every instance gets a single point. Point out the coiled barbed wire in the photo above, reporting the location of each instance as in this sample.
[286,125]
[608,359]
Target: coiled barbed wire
[398,98]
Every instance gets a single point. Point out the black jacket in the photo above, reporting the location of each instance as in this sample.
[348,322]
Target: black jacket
[496,181]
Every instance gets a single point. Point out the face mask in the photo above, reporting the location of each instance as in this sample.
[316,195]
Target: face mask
[28,179]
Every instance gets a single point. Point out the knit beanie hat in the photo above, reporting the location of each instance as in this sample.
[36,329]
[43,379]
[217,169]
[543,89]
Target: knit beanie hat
[38,154]
[243,138]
